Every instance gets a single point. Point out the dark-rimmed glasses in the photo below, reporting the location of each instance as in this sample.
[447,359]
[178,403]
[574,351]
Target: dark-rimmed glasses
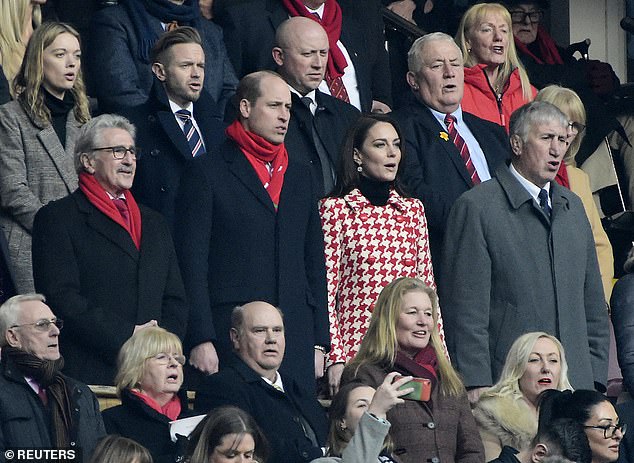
[609,430]
[43,325]
[118,152]
[164,359]
[519,16]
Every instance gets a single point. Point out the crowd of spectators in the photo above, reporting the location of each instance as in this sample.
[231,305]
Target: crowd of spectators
[247,201]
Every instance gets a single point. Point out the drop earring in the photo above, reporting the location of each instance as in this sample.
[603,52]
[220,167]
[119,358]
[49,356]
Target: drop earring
[359,168]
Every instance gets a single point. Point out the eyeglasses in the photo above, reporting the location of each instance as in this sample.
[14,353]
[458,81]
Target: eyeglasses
[519,16]
[118,152]
[578,126]
[164,359]
[610,430]
[43,325]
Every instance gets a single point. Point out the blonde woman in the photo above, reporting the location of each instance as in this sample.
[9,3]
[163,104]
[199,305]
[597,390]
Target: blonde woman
[38,132]
[18,19]
[507,412]
[496,83]
[570,104]
[403,337]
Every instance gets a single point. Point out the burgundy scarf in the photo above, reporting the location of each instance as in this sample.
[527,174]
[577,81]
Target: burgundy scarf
[171,409]
[95,193]
[423,365]
[259,152]
[547,48]
[331,22]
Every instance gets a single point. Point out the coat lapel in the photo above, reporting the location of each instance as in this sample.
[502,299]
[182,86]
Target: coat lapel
[103,225]
[240,167]
[58,155]
[431,124]
[174,132]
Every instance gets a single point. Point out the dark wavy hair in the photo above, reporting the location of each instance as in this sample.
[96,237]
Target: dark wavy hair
[565,437]
[575,405]
[348,177]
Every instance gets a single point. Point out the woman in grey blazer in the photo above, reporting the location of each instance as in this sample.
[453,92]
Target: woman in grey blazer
[37,133]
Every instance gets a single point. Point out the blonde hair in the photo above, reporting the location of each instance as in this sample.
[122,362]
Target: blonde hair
[380,344]
[137,349]
[571,105]
[516,362]
[15,16]
[472,18]
[27,84]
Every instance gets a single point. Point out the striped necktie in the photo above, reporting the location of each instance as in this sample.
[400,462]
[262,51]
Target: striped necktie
[450,122]
[193,137]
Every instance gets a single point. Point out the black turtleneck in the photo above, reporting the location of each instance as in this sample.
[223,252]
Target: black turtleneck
[59,112]
[375,191]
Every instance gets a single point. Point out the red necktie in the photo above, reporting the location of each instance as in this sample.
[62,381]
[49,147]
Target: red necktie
[450,121]
[122,207]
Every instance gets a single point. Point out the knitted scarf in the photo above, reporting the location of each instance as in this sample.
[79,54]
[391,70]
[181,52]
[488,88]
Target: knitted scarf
[163,10]
[549,54]
[172,409]
[260,152]
[47,374]
[100,199]
[331,22]
[423,365]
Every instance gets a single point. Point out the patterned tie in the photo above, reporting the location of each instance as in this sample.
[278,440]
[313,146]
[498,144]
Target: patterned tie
[193,137]
[335,84]
[122,207]
[543,202]
[450,122]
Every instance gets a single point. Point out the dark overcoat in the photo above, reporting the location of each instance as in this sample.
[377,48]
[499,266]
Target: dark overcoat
[234,248]
[163,149]
[277,413]
[433,169]
[101,285]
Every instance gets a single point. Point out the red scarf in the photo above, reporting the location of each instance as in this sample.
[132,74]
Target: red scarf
[547,48]
[562,175]
[331,22]
[95,193]
[171,409]
[259,152]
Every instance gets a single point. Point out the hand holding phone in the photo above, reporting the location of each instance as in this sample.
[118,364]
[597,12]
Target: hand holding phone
[421,389]
[388,395]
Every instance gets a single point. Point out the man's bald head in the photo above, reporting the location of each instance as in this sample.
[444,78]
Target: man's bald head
[301,53]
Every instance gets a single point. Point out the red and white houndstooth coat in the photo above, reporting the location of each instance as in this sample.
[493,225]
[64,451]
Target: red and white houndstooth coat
[366,248]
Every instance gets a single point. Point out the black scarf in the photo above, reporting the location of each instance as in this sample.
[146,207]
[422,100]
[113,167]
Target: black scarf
[47,374]
[376,192]
[163,10]
[59,110]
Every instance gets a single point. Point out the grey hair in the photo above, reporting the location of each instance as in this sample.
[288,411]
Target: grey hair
[535,112]
[10,311]
[90,135]
[414,55]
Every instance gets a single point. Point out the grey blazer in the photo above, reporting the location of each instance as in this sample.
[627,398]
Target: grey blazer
[34,170]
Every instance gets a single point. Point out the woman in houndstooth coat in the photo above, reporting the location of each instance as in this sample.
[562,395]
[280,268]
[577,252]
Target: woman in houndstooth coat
[373,233]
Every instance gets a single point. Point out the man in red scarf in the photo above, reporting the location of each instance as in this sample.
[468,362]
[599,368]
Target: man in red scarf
[106,264]
[247,228]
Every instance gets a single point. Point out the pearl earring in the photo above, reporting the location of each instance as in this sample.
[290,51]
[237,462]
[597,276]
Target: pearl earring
[359,168]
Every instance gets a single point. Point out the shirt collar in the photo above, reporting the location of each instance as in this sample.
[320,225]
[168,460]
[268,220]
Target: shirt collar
[319,11]
[174,107]
[440,117]
[528,185]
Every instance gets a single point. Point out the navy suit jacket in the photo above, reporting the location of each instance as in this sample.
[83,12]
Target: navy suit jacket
[101,285]
[277,413]
[162,145]
[234,248]
[435,172]
[332,119]
[121,78]
[249,32]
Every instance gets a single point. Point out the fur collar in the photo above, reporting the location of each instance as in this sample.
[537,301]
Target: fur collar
[510,419]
